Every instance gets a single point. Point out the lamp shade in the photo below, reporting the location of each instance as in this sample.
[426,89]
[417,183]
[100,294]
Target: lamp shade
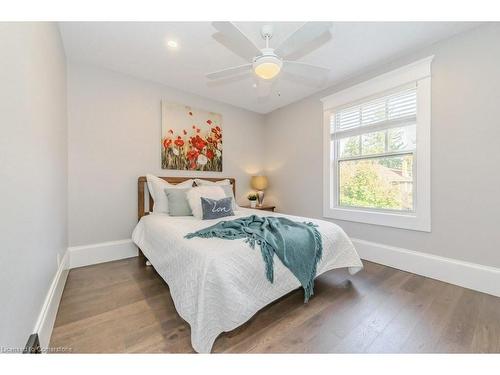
[259,182]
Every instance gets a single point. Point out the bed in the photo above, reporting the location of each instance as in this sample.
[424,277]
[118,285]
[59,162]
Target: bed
[216,284]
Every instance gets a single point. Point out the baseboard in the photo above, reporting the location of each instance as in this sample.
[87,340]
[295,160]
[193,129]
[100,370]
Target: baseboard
[102,252]
[47,317]
[468,275]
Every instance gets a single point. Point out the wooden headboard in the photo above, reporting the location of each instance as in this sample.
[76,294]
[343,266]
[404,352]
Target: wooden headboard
[142,187]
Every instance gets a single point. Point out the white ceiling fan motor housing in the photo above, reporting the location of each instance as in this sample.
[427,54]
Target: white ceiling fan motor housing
[268,64]
[267,31]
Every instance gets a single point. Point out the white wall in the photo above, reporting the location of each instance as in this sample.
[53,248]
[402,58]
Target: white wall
[465,153]
[33,161]
[114,137]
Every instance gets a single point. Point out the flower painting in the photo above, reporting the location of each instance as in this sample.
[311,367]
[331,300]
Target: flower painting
[191,138]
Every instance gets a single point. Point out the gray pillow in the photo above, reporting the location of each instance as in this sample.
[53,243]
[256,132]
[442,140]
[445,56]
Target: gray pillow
[177,202]
[214,209]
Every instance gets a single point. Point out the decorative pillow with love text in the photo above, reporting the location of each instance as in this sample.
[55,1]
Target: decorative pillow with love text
[214,209]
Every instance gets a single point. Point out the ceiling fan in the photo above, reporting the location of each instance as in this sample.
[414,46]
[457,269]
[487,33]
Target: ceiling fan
[267,63]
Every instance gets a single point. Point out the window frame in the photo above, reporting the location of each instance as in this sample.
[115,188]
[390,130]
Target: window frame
[418,73]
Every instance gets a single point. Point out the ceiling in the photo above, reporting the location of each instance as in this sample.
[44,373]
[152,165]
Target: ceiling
[139,49]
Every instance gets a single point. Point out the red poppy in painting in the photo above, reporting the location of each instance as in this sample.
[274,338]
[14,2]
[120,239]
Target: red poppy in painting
[194,126]
[210,154]
[218,129]
[192,155]
[171,131]
[179,142]
[185,132]
[167,142]
[198,142]
[209,122]
[190,113]
[198,130]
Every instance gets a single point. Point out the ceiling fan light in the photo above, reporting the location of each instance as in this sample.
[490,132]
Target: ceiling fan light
[267,67]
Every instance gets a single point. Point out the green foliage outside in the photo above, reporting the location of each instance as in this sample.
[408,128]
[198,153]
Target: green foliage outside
[383,182]
[361,186]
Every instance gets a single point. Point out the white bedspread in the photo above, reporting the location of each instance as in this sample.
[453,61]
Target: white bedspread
[218,284]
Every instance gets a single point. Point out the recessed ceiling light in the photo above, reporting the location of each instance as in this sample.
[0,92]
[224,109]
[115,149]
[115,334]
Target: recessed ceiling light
[172,44]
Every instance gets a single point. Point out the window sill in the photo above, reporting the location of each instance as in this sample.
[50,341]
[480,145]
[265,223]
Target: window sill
[409,221]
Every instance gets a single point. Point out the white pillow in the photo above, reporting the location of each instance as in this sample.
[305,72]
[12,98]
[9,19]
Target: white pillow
[228,188]
[195,194]
[200,182]
[157,187]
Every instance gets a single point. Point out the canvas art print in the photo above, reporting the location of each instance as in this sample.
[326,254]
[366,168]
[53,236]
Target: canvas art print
[191,138]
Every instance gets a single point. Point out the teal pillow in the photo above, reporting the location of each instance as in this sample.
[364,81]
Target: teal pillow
[177,202]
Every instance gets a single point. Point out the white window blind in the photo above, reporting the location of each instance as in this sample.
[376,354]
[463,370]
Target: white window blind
[395,108]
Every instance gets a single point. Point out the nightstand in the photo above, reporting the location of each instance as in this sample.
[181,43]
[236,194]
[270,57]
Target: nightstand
[263,208]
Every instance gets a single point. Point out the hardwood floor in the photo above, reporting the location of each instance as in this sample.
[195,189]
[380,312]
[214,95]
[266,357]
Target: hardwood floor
[124,306]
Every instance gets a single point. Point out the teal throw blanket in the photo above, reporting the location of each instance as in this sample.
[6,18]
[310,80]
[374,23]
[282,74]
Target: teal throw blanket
[297,245]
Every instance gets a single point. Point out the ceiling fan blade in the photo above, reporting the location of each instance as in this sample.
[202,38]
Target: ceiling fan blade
[229,72]
[235,47]
[232,38]
[302,38]
[305,70]
[231,79]
[311,46]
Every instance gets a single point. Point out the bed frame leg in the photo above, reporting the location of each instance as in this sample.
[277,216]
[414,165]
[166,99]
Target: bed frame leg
[143,257]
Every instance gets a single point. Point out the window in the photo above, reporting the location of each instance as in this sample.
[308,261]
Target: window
[377,150]
[374,147]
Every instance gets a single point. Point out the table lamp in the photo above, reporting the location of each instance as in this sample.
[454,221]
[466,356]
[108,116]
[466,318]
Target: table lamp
[259,183]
